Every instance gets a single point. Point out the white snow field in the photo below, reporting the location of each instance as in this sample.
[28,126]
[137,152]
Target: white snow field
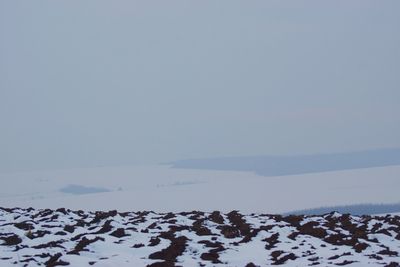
[163,189]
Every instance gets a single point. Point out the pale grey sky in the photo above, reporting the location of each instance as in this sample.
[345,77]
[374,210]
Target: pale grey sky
[85,83]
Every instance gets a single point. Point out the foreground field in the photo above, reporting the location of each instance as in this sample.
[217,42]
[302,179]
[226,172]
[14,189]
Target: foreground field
[30,237]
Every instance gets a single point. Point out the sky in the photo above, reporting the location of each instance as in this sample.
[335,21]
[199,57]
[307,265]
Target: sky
[94,83]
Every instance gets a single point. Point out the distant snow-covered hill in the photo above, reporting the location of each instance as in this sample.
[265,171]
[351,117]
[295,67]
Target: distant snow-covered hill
[298,164]
[164,189]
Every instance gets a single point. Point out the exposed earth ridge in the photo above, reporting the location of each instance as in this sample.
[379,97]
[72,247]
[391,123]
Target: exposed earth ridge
[44,237]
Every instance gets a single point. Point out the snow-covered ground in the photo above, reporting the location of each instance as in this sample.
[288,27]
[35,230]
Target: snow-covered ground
[164,189]
[31,237]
